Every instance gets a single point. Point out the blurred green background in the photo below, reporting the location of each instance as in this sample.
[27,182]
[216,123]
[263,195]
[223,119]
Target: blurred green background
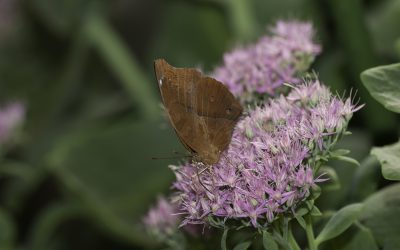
[81,174]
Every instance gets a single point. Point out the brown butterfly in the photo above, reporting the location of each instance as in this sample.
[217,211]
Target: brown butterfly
[201,109]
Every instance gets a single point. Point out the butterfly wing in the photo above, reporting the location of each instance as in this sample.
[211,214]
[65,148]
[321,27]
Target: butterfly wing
[218,111]
[202,110]
[174,89]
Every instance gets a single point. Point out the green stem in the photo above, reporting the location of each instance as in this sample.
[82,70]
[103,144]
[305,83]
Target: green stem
[285,228]
[241,19]
[223,238]
[124,65]
[310,234]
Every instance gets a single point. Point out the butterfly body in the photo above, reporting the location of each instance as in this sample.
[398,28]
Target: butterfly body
[201,109]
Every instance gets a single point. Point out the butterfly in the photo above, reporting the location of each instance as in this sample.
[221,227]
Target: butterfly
[202,110]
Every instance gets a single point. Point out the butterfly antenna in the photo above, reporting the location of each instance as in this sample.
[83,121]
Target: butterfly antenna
[181,154]
[170,157]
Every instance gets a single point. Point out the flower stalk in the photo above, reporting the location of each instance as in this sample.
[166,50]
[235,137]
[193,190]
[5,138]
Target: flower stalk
[310,233]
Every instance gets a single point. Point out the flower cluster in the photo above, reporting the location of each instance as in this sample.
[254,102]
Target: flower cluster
[11,116]
[8,15]
[271,163]
[161,220]
[276,59]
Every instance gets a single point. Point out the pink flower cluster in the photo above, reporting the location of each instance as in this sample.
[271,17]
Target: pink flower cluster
[11,116]
[8,16]
[276,59]
[161,220]
[269,166]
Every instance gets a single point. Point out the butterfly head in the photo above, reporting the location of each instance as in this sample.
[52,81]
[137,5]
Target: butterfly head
[210,156]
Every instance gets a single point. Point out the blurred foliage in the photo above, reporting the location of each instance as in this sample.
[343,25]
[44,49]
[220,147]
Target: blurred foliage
[81,175]
[378,215]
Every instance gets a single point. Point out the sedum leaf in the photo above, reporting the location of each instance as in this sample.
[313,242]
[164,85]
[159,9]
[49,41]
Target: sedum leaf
[383,83]
[339,152]
[365,179]
[334,182]
[381,215]
[242,246]
[315,212]
[269,242]
[346,159]
[363,239]
[339,222]
[389,157]
[301,221]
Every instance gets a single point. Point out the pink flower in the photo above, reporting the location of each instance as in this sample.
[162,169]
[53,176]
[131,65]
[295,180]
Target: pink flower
[11,116]
[265,66]
[161,220]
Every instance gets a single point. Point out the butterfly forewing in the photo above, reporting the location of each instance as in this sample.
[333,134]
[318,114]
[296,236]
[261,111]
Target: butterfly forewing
[202,110]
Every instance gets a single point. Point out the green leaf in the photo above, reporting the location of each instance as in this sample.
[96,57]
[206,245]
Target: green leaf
[315,212]
[47,223]
[360,145]
[363,239]
[339,222]
[339,152]
[310,204]
[365,179]
[292,242]
[315,193]
[346,159]
[269,242]
[223,239]
[281,242]
[381,215]
[302,210]
[383,83]
[389,157]
[333,183]
[242,246]
[301,221]
[356,237]
[7,231]
[110,171]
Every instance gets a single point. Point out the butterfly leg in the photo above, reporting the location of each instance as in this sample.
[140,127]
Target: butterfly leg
[198,173]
